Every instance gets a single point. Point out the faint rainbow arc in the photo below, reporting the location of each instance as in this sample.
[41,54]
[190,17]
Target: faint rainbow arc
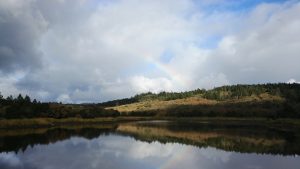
[172,73]
[170,164]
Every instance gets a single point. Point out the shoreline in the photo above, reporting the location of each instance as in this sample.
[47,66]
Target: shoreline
[52,122]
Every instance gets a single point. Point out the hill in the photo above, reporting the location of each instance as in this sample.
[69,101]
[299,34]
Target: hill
[263,100]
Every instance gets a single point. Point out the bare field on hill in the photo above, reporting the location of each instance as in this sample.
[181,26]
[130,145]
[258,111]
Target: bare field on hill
[160,104]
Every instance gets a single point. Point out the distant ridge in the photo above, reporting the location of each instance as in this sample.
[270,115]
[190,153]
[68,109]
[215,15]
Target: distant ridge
[290,91]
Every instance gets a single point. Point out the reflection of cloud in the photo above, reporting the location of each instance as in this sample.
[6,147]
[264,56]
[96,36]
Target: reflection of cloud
[216,155]
[112,152]
[9,159]
[155,149]
[140,150]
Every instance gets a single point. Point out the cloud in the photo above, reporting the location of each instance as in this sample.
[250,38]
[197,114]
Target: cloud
[142,84]
[64,98]
[91,51]
[9,159]
[104,44]
[21,28]
[266,49]
[291,81]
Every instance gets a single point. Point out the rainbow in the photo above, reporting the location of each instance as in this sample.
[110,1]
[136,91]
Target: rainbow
[172,73]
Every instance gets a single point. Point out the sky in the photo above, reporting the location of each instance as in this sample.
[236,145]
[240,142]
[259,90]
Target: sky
[79,51]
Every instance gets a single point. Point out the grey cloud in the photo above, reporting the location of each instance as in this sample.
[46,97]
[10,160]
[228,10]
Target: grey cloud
[11,161]
[20,32]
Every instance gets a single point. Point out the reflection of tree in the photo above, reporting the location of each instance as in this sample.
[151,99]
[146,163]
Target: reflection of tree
[15,141]
[234,139]
[246,139]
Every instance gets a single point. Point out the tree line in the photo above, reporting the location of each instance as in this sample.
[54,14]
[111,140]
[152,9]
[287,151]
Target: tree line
[25,107]
[291,92]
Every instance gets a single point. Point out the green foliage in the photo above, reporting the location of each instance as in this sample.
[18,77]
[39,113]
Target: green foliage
[288,107]
[23,107]
[168,95]
[291,92]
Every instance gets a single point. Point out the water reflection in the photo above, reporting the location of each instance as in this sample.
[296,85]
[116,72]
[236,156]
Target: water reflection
[231,137]
[126,146]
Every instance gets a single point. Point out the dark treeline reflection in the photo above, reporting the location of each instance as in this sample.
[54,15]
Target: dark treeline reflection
[230,137]
[19,140]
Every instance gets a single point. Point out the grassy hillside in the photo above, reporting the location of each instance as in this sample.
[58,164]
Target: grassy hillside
[287,91]
[268,100]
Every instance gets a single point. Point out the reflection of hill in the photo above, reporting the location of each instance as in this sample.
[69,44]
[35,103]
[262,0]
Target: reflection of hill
[15,140]
[229,137]
[257,140]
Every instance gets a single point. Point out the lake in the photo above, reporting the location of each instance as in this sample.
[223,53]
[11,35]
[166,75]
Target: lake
[151,145]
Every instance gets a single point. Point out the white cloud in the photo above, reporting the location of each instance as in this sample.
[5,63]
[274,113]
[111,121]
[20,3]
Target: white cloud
[141,150]
[291,81]
[267,46]
[143,84]
[213,80]
[64,98]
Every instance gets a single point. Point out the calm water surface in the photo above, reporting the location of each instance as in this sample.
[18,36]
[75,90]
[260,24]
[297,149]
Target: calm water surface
[150,145]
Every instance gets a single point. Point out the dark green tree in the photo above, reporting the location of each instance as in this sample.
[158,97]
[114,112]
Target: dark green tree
[19,99]
[27,99]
